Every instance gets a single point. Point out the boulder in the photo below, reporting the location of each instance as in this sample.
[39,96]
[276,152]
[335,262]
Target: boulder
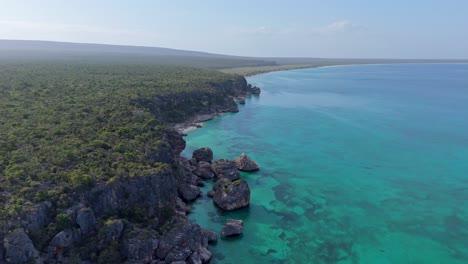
[208,237]
[255,90]
[194,259]
[73,211]
[210,193]
[226,169]
[205,255]
[245,163]
[182,241]
[204,170]
[242,101]
[189,192]
[232,227]
[231,195]
[111,231]
[203,154]
[20,249]
[140,245]
[181,207]
[86,220]
[37,217]
[63,239]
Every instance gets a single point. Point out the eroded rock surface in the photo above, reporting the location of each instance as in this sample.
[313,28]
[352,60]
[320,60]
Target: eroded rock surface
[245,163]
[232,227]
[226,169]
[231,195]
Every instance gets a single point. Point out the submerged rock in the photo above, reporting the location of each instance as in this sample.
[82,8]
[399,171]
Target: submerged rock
[20,249]
[245,163]
[203,154]
[226,169]
[231,195]
[232,227]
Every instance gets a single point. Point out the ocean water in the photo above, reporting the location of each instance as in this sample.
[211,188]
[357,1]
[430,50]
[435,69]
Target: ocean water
[359,164]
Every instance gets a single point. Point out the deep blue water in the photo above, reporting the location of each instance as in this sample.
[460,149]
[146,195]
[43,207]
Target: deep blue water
[359,164]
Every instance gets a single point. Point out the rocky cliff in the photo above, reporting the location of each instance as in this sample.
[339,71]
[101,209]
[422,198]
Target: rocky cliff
[138,219]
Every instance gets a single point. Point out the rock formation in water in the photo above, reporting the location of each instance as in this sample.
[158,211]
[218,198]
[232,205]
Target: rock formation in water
[232,227]
[226,169]
[231,195]
[245,163]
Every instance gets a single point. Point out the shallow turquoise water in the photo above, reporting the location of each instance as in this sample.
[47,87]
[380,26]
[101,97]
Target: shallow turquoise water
[360,164]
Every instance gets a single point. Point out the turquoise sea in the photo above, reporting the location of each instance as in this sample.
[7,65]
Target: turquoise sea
[359,164]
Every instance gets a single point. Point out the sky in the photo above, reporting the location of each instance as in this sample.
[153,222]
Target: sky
[262,28]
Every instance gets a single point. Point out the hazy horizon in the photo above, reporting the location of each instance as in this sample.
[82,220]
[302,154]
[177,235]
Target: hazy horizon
[312,29]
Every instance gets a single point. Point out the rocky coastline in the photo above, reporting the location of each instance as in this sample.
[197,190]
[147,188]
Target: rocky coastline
[141,219]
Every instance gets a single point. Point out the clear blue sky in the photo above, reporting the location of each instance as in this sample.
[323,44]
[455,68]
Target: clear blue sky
[301,28]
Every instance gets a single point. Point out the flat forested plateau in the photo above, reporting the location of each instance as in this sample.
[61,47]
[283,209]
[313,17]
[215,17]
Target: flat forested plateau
[66,127]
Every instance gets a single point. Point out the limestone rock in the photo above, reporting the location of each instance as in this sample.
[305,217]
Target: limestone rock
[37,217]
[226,169]
[86,220]
[203,154]
[205,255]
[231,195]
[195,259]
[63,239]
[232,227]
[204,170]
[140,245]
[182,241]
[111,231]
[19,248]
[189,192]
[245,163]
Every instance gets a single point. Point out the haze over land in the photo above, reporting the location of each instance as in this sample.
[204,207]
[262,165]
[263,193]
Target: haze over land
[339,29]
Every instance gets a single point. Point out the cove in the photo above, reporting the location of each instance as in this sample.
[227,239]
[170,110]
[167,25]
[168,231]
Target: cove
[359,164]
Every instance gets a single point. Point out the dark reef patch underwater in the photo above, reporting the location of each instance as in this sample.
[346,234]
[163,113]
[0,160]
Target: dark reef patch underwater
[360,164]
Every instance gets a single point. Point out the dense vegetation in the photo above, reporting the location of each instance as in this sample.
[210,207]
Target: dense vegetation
[67,127]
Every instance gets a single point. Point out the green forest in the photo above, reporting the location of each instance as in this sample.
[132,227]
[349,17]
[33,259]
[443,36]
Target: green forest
[65,127]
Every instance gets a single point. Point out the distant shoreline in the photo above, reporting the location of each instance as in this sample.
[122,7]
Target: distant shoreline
[252,71]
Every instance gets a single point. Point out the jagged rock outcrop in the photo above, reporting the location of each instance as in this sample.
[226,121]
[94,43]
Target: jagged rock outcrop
[86,220]
[232,227]
[245,163]
[182,241]
[111,231]
[226,169]
[203,154]
[231,195]
[203,170]
[140,245]
[37,217]
[19,248]
[151,192]
[189,192]
[63,239]
[150,202]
